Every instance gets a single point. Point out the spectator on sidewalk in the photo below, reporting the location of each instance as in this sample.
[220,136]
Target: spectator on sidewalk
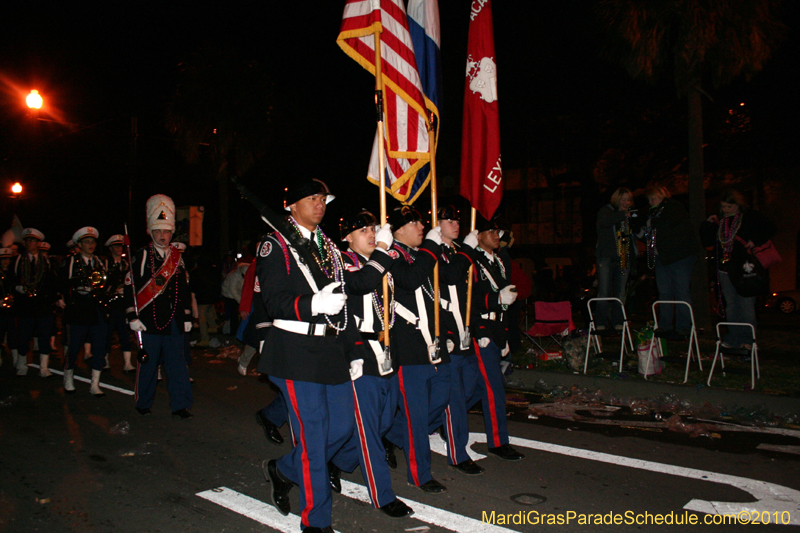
[231,296]
[204,283]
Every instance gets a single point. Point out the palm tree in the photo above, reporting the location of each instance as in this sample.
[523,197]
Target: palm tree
[693,42]
[221,110]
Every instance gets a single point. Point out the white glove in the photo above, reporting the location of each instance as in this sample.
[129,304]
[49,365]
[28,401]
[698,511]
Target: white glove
[20,289]
[187,327]
[356,369]
[484,342]
[385,236]
[435,235]
[504,351]
[326,302]
[450,346]
[508,295]
[471,239]
[136,325]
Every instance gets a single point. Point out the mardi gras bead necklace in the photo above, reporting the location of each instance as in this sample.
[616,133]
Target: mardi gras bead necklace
[174,305]
[329,260]
[728,228]
[623,245]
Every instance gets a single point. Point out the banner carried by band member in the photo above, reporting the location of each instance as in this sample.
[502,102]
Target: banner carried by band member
[406,123]
[481,171]
[423,24]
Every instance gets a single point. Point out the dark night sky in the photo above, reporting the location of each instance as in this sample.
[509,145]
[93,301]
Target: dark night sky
[105,62]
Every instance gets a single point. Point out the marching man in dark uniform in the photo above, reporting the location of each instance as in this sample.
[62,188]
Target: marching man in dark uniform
[423,369]
[34,298]
[164,305]
[306,352]
[82,277]
[376,393]
[492,294]
[453,274]
[116,269]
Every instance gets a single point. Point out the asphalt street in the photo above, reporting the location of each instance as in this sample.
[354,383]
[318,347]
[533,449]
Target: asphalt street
[77,463]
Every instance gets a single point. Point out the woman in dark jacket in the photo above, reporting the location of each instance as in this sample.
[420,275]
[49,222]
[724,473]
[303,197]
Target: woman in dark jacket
[672,248]
[615,254]
[733,234]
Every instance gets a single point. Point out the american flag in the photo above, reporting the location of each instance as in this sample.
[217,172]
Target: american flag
[405,117]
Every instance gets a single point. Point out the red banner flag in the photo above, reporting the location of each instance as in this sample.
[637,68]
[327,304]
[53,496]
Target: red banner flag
[481,173]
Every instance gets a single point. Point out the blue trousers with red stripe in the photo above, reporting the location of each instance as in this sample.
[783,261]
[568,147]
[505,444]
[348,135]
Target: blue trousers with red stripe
[424,394]
[166,349]
[454,418]
[321,418]
[375,408]
[483,382]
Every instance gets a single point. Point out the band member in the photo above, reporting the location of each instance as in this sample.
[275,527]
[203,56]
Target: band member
[492,294]
[423,370]
[6,301]
[35,295]
[82,286]
[305,353]
[164,311]
[376,392]
[453,274]
[116,269]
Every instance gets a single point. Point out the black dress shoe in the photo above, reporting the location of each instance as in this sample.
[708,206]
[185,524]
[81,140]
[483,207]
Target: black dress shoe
[182,413]
[271,431]
[432,487]
[469,468]
[507,453]
[391,458]
[98,395]
[397,509]
[335,477]
[144,412]
[280,486]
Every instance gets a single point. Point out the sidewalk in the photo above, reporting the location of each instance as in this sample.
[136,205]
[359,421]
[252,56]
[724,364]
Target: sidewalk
[697,395]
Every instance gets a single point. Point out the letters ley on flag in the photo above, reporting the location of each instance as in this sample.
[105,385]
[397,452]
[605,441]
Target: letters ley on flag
[405,119]
[481,173]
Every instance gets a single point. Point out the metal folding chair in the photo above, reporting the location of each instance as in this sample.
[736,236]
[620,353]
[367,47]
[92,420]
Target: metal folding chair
[593,336]
[755,371]
[692,337]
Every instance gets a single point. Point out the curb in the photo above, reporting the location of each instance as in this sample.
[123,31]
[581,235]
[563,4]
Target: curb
[697,394]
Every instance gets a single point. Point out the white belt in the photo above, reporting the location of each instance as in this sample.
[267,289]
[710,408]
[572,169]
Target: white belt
[303,328]
[492,316]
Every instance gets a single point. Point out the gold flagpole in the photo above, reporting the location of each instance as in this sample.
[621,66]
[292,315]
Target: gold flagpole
[469,281]
[381,174]
[434,223]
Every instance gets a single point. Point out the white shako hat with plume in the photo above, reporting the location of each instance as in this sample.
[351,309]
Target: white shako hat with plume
[160,213]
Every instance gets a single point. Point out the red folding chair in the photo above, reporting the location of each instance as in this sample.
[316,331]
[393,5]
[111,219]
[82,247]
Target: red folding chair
[552,322]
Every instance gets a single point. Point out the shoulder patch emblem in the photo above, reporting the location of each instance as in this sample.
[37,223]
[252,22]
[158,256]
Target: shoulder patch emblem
[265,250]
[128,279]
[393,254]
[257,286]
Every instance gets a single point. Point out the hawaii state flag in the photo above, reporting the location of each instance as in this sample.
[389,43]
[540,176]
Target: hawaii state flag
[406,139]
[481,172]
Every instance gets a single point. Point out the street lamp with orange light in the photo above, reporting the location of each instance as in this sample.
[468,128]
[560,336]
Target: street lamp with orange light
[34,100]
[16,189]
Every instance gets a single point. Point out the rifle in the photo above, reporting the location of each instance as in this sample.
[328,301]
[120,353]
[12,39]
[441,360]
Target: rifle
[142,356]
[282,226]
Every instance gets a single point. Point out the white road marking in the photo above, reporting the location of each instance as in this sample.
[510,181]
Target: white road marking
[268,515]
[428,514]
[780,448]
[86,380]
[769,497]
[251,508]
